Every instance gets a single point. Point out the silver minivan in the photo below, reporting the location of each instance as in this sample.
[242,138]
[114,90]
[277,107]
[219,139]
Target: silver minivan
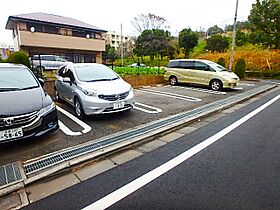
[93,89]
[47,62]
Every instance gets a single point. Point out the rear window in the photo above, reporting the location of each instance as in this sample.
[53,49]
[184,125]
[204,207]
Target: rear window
[173,64]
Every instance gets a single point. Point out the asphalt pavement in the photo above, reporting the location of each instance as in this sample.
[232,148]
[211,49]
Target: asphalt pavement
[240,170]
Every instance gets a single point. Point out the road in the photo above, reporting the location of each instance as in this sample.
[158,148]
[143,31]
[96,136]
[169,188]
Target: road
[232,163]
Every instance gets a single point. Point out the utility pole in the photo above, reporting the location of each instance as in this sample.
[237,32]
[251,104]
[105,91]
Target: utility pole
[233,37]
[121,44]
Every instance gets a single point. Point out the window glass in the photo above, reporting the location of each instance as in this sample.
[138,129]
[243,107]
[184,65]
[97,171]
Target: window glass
[61,71]
[69,73]
[92,73]
[16,79]
[186,64]
[173,64]
[201,66]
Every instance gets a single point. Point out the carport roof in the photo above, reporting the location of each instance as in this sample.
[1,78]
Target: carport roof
[52,19]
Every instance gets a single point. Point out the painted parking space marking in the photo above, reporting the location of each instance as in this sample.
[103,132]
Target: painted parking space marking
[276,83]
[246,84]
[170,95]
[66,130]
[155,109]
[198,89]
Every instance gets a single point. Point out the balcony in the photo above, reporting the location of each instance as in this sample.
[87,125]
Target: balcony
[37,39]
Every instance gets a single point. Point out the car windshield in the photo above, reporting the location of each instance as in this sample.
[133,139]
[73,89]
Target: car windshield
[12,79]
[95,73]
[217,67]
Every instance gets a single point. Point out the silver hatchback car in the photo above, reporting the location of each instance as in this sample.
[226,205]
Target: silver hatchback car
[93,89]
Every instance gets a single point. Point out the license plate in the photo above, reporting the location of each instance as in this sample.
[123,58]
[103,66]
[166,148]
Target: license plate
[118,105]
[11,134]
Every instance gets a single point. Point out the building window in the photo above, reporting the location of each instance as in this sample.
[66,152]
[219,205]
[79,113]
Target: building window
[50,29]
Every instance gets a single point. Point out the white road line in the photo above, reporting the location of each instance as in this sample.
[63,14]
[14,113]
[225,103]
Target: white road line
[237,88]
[157,110]
[246,84]
[171,95]
[199,90]
[66,130]
[86,127]
[136,184]
[277,83]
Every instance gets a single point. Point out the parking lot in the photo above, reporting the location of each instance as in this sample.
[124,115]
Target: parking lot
[152,103]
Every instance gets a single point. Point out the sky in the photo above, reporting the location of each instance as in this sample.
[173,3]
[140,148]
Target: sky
[110,14]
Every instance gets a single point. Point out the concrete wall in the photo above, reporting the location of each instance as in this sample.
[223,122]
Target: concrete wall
[135,81]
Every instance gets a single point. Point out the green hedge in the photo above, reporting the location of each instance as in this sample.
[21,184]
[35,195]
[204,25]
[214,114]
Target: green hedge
[19,58]
[240,68]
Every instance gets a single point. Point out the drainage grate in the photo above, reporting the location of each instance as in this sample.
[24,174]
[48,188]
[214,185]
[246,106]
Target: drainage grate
[55,158]
[9,173]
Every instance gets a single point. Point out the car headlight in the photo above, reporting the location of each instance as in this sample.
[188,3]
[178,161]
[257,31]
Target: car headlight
[89,92]
[46,109]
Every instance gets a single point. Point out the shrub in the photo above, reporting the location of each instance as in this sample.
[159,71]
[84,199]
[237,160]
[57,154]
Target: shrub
[221,61]
[240,68]
[19,58]
[1,60]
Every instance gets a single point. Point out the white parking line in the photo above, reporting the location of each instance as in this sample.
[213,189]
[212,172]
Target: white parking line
[145,179]
[246,84]
[66,130]
[276,83]
[86,127]
[170,95]
[198,89]
[157,110]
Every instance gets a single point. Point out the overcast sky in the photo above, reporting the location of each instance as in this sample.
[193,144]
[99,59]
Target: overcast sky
[109,14]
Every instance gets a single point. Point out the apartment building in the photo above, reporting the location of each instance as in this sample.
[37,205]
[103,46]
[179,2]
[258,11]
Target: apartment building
[114,39]
[42,33]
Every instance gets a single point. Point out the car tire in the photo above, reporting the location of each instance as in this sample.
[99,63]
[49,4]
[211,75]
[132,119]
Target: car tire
[173,80]
[79,109]
[216,85]
[57,97]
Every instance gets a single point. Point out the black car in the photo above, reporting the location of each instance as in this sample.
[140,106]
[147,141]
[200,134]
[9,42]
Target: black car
[26,110]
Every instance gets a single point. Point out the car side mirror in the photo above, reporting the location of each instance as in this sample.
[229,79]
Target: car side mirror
[67,80]
[41,81]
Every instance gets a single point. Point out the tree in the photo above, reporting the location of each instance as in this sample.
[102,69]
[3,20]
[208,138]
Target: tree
[152,42]
[241,38]
[240,68]
[109,54]
[148,22]
[240,25]
[187,40]
[265,20]
[214,30]
[19,58]
[217,43]
[221,61]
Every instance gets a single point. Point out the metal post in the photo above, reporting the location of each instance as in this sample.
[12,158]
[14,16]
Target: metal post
[233,37]
[121,45]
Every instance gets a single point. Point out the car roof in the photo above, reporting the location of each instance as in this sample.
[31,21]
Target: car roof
[11,65]
[203,60]
[84,64]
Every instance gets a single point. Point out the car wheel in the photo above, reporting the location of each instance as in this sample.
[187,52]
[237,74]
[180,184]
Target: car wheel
[173,81]
[79,109]
[216,85]
[57,97]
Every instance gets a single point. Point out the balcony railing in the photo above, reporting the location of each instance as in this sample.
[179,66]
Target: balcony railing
[37,39]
